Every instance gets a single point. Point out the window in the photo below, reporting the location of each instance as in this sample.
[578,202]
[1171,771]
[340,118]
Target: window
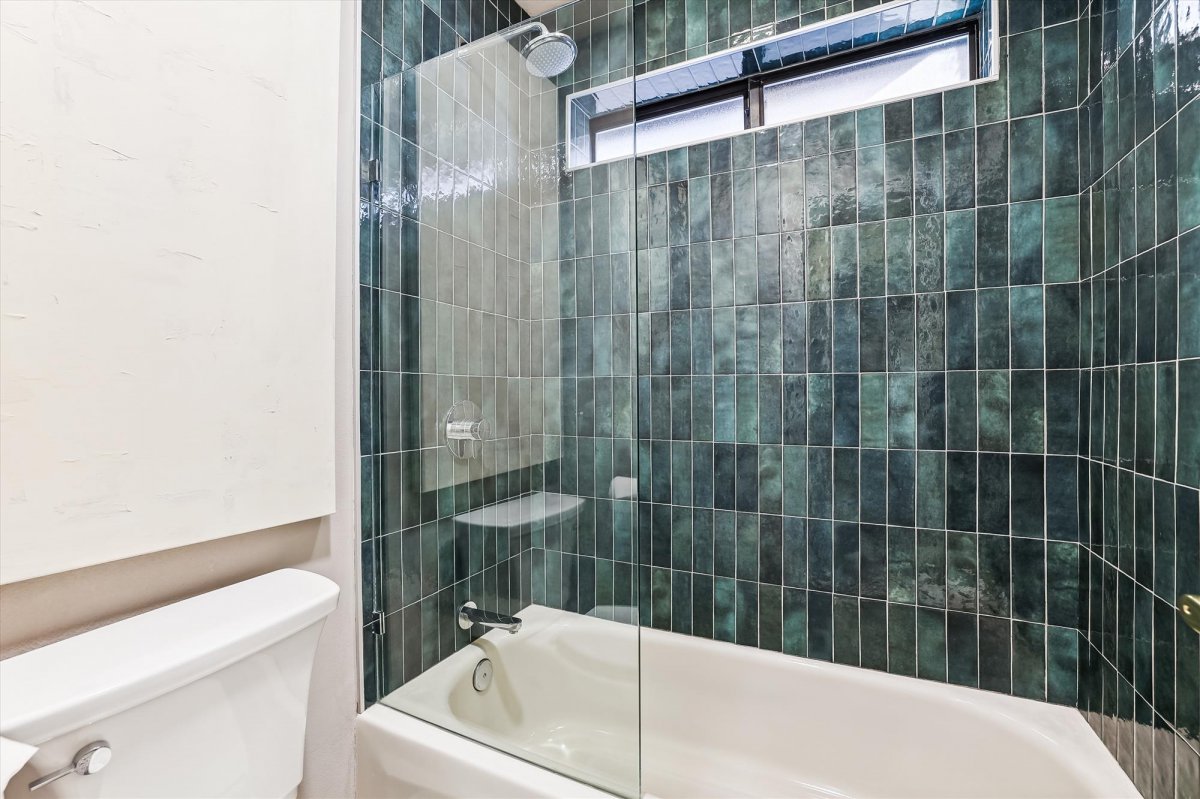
[917,70]
[695,123]
[900,49]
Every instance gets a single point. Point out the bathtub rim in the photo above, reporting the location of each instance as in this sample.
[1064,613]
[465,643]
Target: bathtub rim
[1094,765]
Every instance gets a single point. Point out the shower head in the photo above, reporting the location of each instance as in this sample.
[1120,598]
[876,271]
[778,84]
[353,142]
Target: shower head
[549,54]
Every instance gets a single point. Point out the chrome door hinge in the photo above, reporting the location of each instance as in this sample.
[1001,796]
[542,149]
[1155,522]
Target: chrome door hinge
[378,622]
[370,171]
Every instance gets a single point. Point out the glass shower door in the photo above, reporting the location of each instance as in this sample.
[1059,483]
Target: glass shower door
[505,404]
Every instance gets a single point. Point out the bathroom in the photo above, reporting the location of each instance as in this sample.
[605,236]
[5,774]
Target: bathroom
[666,398]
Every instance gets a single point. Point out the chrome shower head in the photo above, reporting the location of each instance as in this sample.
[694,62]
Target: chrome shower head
[549,54]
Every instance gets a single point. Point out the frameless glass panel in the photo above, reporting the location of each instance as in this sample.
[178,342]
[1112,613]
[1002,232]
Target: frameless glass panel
[875,80]
[722,118]
[504,404]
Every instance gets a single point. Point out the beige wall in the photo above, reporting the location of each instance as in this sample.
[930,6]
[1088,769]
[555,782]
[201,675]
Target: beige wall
[42,610]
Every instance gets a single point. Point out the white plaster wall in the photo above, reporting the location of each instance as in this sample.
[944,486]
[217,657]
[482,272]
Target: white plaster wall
[38,611]
[167,229]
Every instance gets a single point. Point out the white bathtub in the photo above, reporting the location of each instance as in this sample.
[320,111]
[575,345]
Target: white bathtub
[716,720]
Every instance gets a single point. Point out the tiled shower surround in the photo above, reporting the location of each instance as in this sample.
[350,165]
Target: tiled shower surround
[914,387]
[1140,294]
[424,317]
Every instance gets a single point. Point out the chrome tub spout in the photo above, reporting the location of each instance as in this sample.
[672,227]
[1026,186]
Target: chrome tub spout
[470,614]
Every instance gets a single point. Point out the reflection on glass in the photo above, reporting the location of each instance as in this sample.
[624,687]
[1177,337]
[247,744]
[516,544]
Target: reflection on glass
[722,118]
[874,80]
[485,297]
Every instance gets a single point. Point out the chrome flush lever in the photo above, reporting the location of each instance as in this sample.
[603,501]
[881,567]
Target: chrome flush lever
[88,760]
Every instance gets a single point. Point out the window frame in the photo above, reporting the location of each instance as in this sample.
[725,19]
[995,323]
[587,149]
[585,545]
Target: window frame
[751,89]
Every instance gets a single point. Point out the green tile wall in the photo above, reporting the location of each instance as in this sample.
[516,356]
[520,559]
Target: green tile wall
[869,400]
[911,388]
[582,255]
[1140,294]
[426,258]
[859,375]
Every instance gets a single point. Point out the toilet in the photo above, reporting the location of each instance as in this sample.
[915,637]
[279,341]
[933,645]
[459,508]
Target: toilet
[202,698]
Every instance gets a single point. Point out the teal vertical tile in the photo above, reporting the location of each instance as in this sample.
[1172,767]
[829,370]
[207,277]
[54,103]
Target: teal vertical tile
[960,249]
[958,108]
[927,115]
[747,613]
[843,202]
[1060,60]
[1027,402]
[960,169]
[873,410]
[1029,660]
[818,261]
[846,648]
[820,625]
[1188,311]
[931,484]
[1188,430]
[842,132]
[770,618]
[994,575]
[873,635]
[992,241]
[928,186]
[845,261]
[992,158]
[816,189]
[962,649]
[931,568]
[869,123]
[1025,73]
[995,654]
[961,571]
[931,644]
[870,189]
[724,609]
[701,602]
[1025,171]
[901,410]
[899,243]
[1061,236]
[902,640]
[901,587]
[1061,139]
[795,621]
[871,260]
[899,167]
[1026,334]
[1028,579]
[1189,168]
[1062,665]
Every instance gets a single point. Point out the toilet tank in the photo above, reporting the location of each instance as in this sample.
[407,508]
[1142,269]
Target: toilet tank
[203,698]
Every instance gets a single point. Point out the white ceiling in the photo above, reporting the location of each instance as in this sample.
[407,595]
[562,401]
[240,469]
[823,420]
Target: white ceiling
[535,7]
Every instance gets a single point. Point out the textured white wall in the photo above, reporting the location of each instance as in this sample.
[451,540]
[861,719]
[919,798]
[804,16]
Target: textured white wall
[38,611]
[167,228]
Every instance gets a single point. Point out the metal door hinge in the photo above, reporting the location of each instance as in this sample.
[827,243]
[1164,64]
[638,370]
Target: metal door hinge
[378,622]
[370,171]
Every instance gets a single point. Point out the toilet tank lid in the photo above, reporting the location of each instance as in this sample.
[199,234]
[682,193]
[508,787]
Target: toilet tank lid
[77,681]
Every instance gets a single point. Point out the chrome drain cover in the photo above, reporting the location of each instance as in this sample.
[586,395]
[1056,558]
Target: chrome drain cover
[482,677]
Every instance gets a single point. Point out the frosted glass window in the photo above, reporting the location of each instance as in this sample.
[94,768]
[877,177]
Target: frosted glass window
[873,80]
[714,120]
[615,142]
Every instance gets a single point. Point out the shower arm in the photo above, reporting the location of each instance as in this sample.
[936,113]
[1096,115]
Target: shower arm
[507,36]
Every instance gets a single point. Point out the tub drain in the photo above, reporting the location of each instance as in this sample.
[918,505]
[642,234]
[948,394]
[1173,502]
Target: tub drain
[482,678]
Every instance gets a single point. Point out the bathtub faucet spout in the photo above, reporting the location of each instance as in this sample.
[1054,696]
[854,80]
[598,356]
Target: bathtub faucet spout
[470,614]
